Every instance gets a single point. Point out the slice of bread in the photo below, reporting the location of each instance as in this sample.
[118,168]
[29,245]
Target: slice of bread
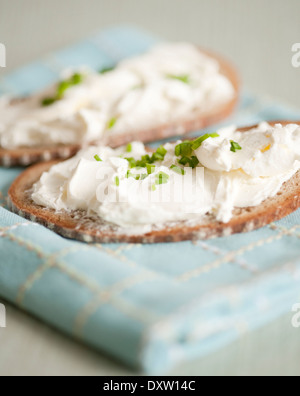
[78,225]
[25,156]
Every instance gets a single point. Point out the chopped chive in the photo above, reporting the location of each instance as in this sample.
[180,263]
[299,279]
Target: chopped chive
[184,149]
[178,170]
[146,158]
[197,143]
[150,169]
[194,161]
[153,187]
[111,123]
[117,181]
[62,87]
[144,176]
[161,178]
[144,161]
[48,101]
[161,151]
[157,157]
[135,176]
[76,79]
[106,69]
[129,148]
[185,78]
[234,146]
[177,150]
[132,162]
[97,158]
[159,154]
[184,161]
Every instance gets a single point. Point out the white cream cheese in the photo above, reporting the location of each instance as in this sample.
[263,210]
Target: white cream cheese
[222,181]
[139,93]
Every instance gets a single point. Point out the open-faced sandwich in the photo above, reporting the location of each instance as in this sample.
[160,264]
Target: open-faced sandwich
[233,180]
[171,90]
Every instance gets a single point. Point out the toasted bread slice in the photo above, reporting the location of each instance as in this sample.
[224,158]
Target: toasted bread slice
[28,156]
[78,225]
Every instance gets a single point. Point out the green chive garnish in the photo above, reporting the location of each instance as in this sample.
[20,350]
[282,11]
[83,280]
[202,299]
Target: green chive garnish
[97,158]
[145,159]
[132,162]
[157,157]
[153,187]
[62,88]
[117,181]
[161,178]
[194,161]
[191,162]
[177,150]
[135,176]
[184,149]
[178,170]
[234,146]
[161,151]
[150,169]
[184,161]
[159,154]
[197,143]
[111,123]
[129,148]
[48,101]
[76,79]
[106,69]
[185,78]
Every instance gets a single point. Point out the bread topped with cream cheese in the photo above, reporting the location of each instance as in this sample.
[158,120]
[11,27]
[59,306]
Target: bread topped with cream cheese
[233,180]
[171,90]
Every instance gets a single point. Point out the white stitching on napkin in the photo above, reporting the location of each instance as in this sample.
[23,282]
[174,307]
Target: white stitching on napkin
[241,262]
[186,276]
[3,230]
[106,295]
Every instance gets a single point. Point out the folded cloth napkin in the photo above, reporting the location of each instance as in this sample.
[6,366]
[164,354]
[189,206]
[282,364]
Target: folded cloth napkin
[150,306]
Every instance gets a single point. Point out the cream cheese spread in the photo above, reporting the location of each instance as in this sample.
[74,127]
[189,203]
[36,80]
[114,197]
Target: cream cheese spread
[231,169]
[170,82]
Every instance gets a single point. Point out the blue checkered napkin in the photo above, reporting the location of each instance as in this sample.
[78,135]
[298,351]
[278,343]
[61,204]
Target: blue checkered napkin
[154,305]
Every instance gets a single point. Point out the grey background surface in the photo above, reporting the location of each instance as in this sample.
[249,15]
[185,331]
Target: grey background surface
[257,36]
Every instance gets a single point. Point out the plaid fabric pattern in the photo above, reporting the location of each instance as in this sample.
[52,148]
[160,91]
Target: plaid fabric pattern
[149,306]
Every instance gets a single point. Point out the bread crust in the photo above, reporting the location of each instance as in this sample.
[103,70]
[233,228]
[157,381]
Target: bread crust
[29,156]
[78,225]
